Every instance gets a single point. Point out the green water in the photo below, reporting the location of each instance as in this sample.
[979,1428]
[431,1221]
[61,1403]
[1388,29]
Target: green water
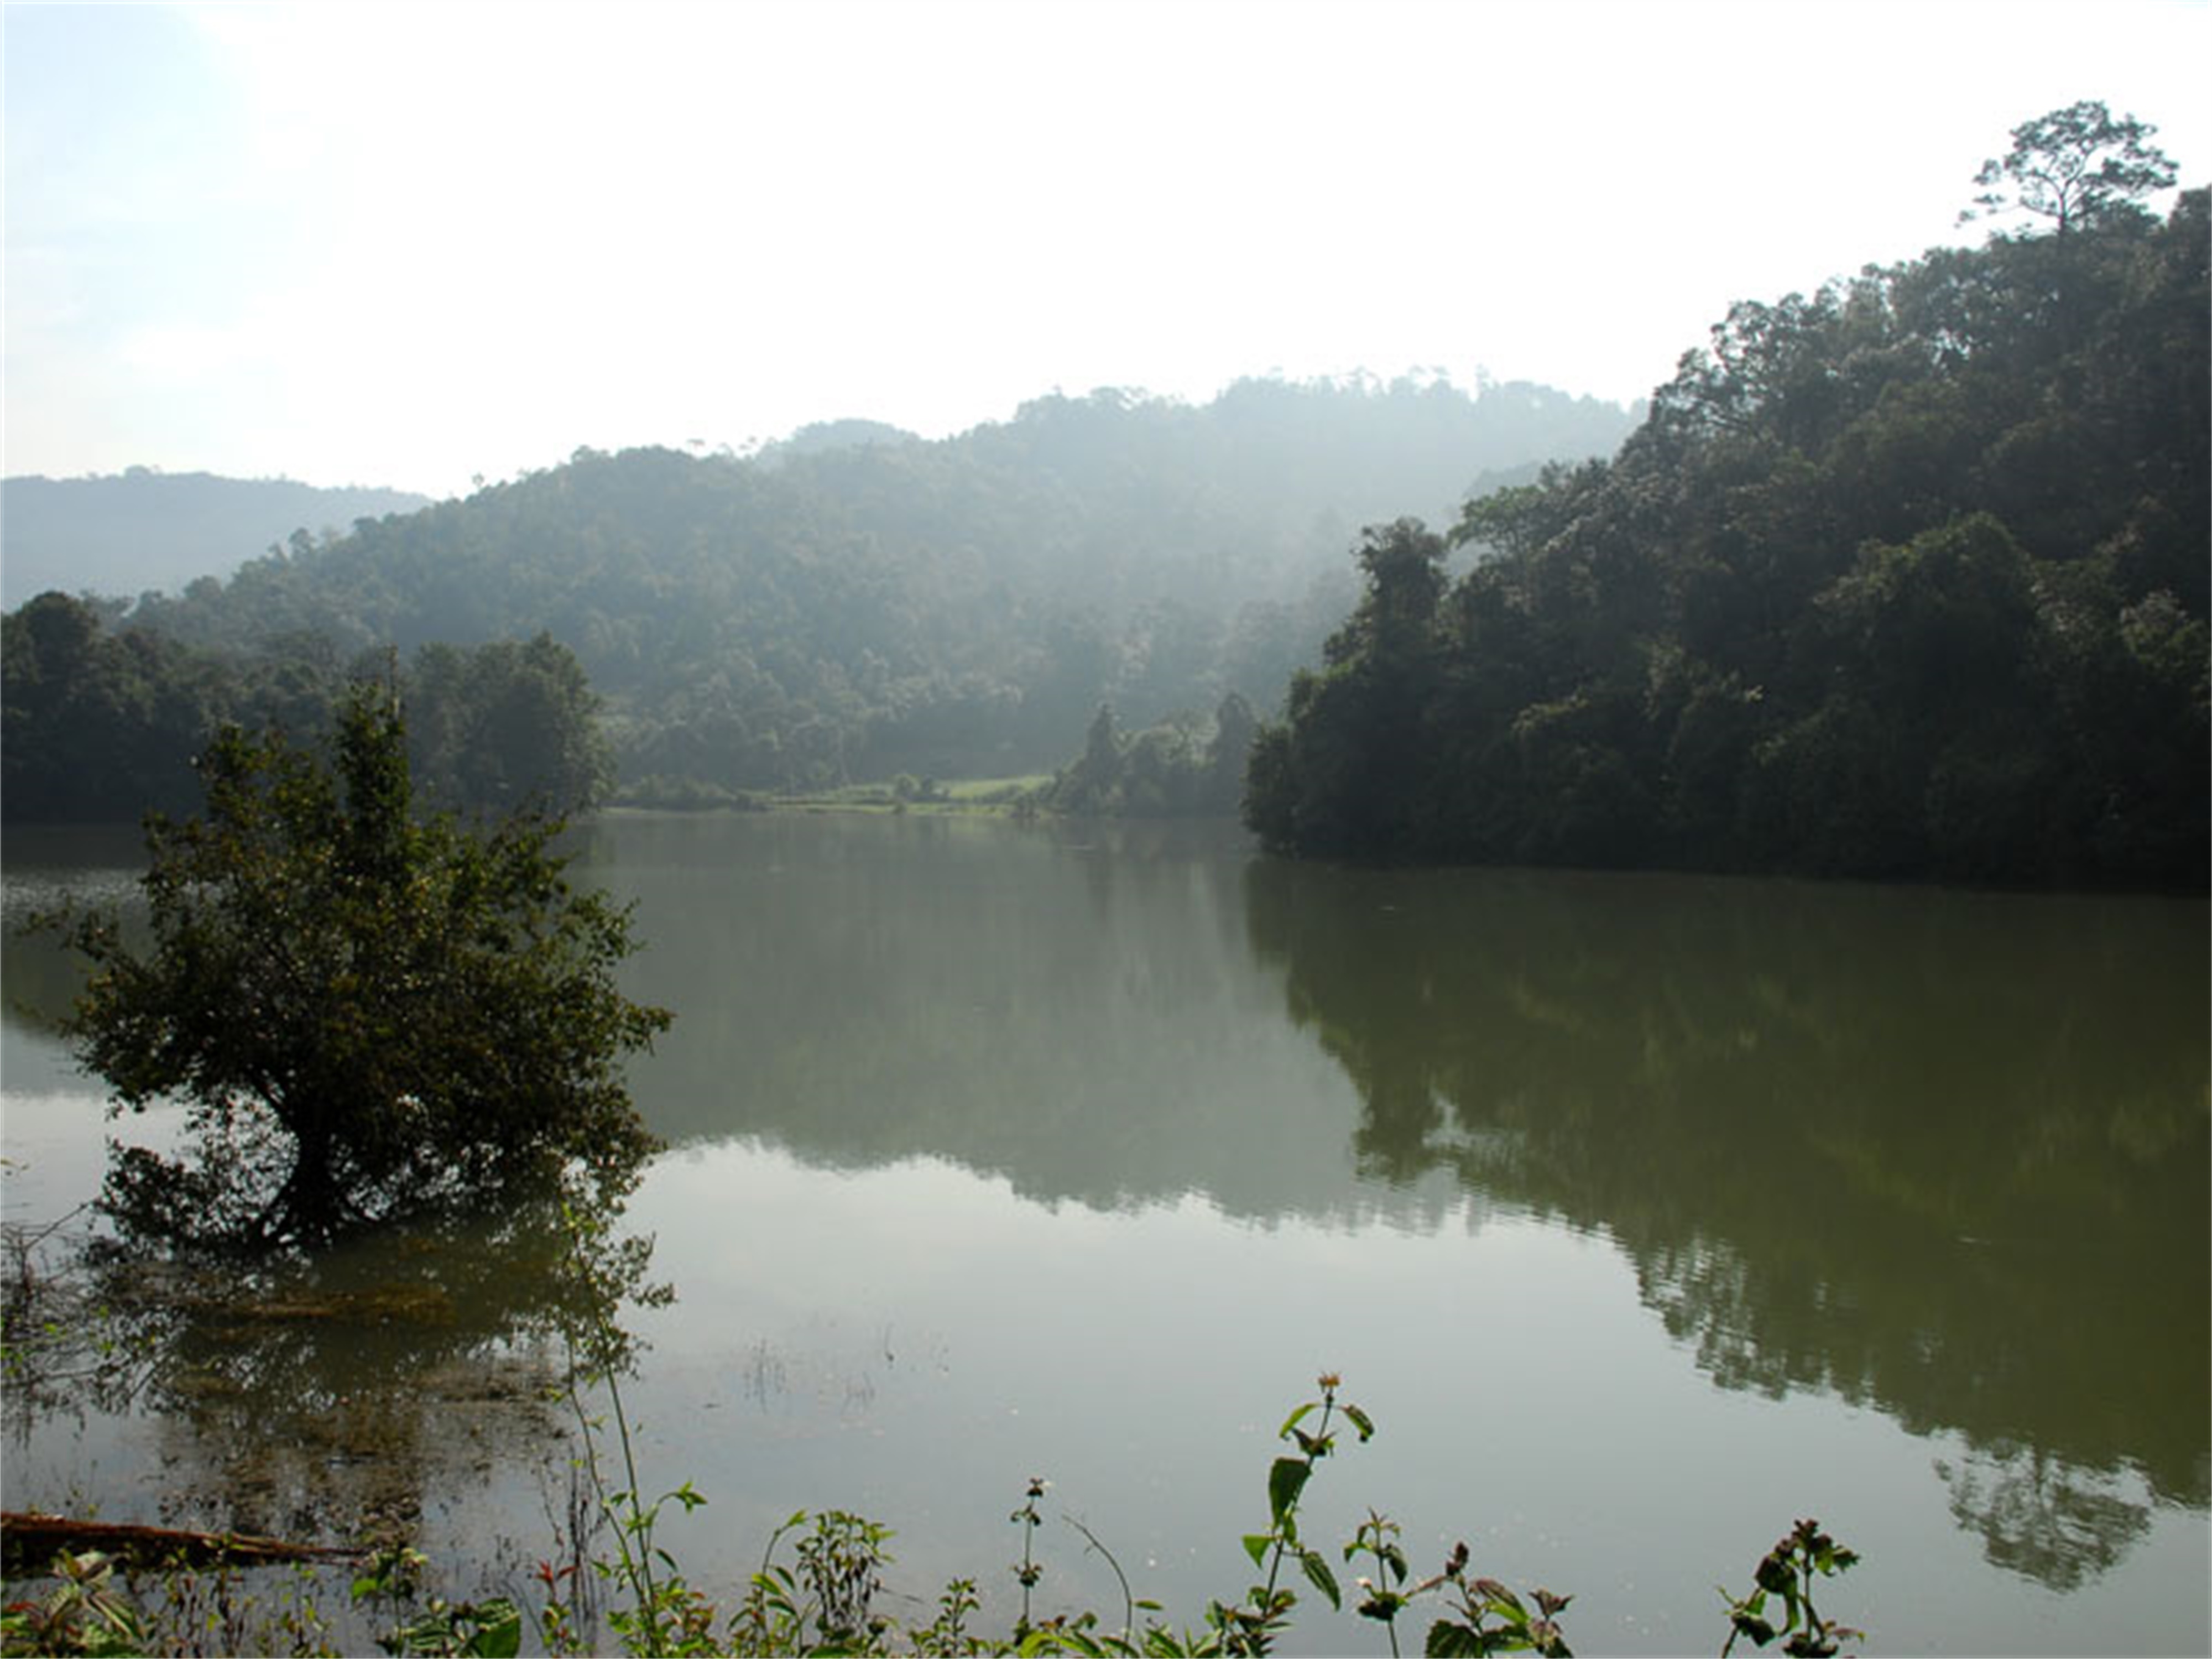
[1645,1214]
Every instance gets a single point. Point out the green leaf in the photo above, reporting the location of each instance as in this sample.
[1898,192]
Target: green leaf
[1789,1606]
[1502,1601]
[1255,1546]
[1286,1480]
[1294,1420]
[1450,1640]
[1360,1421]
[500,1636]
[1319,1576]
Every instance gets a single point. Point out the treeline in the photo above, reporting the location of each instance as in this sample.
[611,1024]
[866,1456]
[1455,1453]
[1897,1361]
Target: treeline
[855,603]
[103,725]
[1182,766]
[1904,579]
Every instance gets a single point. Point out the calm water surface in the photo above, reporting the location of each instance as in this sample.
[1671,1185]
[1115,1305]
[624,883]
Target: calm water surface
[1644,1214]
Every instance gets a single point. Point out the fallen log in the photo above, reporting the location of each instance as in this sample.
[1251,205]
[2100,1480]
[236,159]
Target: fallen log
[29,1542]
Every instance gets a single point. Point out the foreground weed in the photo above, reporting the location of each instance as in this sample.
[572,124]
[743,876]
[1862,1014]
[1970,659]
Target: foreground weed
[842,1562]
[1788,1571]
[1383,1600]
[1251,1626]
[1027,1571]
[1130,1602]
[825,1605]
[86,1612]
[947,1634]
[448,1629]
[1488,1618]
[665,1615]
[207,1611]
[825,1600]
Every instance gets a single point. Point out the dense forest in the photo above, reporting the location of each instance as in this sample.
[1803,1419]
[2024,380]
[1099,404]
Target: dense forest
[1907,578]
[853,602]
[100,727]
[144,531]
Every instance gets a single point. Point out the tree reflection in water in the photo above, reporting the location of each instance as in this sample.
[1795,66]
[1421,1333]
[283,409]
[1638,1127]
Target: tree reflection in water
[1891,1145]
[324,1396]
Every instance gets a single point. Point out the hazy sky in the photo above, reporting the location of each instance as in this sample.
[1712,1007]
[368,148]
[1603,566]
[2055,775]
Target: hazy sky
[403,245]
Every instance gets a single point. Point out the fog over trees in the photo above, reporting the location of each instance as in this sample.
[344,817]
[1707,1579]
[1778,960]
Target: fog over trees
[144,529]
[853,602]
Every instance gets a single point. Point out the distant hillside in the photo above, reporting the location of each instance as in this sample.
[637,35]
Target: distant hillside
[148,531]
[823,436]
[860,603]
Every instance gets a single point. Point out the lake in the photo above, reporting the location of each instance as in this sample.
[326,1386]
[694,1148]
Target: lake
[1644,1214]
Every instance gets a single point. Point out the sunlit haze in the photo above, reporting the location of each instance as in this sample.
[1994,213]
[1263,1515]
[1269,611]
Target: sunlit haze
[411,245]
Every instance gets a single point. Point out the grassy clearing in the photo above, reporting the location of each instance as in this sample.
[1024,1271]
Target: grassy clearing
[904,794]
[964,796]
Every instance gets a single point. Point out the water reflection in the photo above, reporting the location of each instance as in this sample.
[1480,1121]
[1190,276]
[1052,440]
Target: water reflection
[2041,1517]
[1939,1155]
[329,1394]
[92,865]
[1943,1154]
[1077,1011]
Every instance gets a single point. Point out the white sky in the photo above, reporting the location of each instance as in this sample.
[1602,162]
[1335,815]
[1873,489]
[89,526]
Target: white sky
[405,244]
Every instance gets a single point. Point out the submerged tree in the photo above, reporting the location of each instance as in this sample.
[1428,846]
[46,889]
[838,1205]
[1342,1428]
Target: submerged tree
[365,1015]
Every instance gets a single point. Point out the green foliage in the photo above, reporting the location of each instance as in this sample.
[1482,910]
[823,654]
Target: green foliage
[95,727]
[1384,1597]
[1902,579]
[1028,1573]
[103,723]
[841,1562]
[1341,774]
[1787,1572]
[826,1604]
[1253,1625]
[1488,1618]
[85,1613]
[490,1629]
[2072,167]
[1179,767]
[825,1600]
[364,1014]
[505,725]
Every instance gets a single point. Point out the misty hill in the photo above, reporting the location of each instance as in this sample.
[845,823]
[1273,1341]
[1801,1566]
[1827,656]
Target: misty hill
[823,435]
[147,530]
[858,601]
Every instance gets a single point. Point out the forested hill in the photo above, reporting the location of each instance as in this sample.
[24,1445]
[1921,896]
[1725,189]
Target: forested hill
[144,530]
[856,602]
[1907,578]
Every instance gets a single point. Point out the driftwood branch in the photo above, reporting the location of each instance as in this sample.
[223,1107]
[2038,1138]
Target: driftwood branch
[29,1540]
